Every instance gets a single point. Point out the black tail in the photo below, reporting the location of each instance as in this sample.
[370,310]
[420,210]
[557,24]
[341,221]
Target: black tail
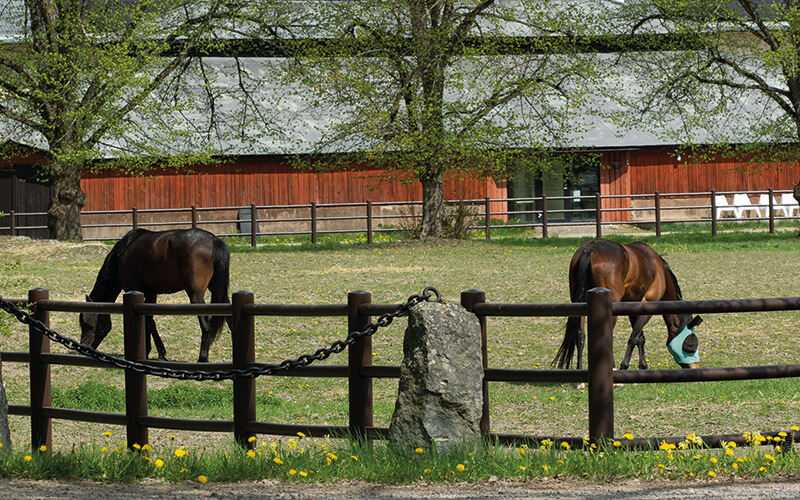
[572,336]
[220,281]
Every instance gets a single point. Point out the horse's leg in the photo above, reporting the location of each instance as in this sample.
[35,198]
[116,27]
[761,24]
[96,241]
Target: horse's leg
[152,332]
[207,336]
[581,343]
[636,340]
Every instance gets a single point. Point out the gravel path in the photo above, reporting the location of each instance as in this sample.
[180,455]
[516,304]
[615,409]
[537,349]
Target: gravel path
[541,489]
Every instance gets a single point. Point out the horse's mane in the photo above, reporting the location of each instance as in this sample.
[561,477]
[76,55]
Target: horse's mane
[108,277]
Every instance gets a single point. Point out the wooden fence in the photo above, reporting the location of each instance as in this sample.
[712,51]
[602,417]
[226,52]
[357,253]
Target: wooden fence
[650,210]
[359,370]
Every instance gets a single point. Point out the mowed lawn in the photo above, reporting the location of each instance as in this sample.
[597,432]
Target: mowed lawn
[519,270]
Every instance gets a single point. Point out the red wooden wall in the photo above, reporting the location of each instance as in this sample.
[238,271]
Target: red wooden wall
[647,170]
[264,181]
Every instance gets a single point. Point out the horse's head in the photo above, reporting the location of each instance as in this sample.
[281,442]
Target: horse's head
[682,342]
[94,327]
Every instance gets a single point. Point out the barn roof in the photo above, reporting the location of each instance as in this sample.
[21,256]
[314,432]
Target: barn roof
[297,126]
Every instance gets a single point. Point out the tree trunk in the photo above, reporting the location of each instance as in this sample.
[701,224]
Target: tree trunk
[433,214]
[64,213]
[5,432]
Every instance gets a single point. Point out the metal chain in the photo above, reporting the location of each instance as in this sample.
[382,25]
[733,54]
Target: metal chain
[254,370]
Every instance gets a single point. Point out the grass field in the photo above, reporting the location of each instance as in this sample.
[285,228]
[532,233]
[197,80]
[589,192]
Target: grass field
[513,269]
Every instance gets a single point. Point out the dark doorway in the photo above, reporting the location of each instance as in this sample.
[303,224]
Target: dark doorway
[570,198]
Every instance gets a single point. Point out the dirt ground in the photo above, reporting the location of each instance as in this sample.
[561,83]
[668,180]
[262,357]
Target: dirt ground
[540,489]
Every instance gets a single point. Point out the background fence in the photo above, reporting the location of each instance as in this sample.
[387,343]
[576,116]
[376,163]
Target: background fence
[253,221]
[359,370]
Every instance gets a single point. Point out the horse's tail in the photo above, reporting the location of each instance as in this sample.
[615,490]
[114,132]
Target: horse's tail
[220,281]
[580,277]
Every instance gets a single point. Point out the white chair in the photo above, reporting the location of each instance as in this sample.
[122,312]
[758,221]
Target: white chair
[763,205]
[788,204]
[722,206]
[743,204]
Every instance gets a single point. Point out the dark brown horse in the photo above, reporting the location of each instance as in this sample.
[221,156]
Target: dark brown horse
[633,272]
[154,263]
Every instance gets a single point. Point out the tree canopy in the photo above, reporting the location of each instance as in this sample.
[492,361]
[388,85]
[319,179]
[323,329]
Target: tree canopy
[79,79]
[431,86]
[721,73]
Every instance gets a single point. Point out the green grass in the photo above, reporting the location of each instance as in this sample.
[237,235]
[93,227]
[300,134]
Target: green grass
[513,268]
[302,460]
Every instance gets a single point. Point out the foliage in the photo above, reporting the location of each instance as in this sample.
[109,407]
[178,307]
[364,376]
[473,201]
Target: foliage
[432,87]
[105,80]
[715,73]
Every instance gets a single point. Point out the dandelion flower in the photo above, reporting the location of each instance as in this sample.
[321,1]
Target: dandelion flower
[28,458]
[180,452]
[278,460]
[460,467]
[628,435]
[711,473]
[292,472]
[202,479]
[251,454]
[158,463]
[43,448]
[419,450]
[303,474]
[617,444]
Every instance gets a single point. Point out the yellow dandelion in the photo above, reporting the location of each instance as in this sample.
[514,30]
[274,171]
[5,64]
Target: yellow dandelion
[159,463]
[522,468]
[460,467]
[180,452]
[251,454]
[202,479]
[292,472]
[628,435]
[303,474]
[43,448]
[107,433]
[713,460]
[419,450]
[711,473]
[617,444]
[28,458]
[251,439]
[278,460]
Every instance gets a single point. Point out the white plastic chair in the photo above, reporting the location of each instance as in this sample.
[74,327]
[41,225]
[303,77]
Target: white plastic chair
[788,204]
[722,206]
[743,204]
[763,205]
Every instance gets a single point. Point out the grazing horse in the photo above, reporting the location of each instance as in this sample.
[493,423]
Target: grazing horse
[633,272]
[160,262]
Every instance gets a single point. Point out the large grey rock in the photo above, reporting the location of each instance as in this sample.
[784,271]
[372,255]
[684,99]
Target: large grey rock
[440,393]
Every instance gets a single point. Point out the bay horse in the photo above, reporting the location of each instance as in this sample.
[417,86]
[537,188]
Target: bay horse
[159,262]
[633,272]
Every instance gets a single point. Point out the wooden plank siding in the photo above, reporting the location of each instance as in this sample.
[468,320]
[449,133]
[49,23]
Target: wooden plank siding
[266,181]
[647,170]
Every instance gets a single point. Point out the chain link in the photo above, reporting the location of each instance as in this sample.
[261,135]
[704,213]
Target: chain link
[429,294]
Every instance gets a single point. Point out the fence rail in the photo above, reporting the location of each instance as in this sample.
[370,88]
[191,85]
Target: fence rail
[359,370]
[306,219]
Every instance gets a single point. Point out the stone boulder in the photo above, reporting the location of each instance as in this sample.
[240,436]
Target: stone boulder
[440,398]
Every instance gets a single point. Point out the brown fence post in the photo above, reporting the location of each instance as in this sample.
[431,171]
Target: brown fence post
[468,300]
[488,213]
[600,365]
[369,222]
[135,217]
[135,382]
[314,222]
[599,216]
[13,223]
[544,215]
[244,389]
[194,217]
[41,426]
[359,354]
[771,213]
[713,213]
[657,203]
[253,225]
